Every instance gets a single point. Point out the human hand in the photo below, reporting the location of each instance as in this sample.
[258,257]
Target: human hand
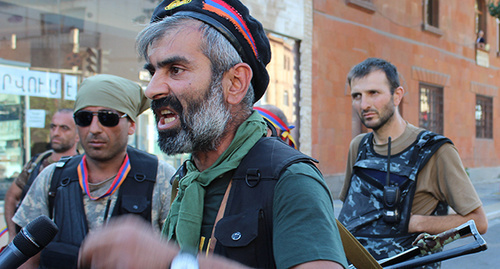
[126,242]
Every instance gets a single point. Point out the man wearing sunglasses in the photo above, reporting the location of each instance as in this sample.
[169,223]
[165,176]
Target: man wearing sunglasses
[249,198]
[110,179]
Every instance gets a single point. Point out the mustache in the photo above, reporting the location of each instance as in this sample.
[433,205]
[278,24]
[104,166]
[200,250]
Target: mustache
[369,110]
[169,101]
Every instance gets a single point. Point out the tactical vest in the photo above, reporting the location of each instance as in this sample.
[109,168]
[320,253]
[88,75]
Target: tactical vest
[67,209]
[245,232]
[362,212]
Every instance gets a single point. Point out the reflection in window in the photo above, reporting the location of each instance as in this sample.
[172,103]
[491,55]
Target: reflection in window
[484,116]
[284,71]
[431,108]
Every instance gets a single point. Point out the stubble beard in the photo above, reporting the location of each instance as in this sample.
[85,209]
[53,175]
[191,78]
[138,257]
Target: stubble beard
[384,116]
[60,148]
[202,126]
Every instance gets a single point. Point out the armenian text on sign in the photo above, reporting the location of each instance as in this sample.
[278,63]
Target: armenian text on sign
[36,83]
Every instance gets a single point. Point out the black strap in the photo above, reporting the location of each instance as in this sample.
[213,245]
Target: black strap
[57,177]
[143,168]
[136,192]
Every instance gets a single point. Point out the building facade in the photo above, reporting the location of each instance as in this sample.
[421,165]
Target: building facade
[451,82]
[48,47]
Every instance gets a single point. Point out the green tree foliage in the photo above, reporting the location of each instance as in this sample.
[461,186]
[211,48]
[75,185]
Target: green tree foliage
[494,9]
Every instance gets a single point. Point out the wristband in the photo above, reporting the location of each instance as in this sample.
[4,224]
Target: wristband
[184,260]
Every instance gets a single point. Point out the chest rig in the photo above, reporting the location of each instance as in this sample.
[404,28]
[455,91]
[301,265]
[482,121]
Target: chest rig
[365,209]
[67,209]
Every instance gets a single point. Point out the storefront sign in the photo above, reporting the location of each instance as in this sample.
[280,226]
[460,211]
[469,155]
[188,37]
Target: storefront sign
[35,118]
[34,83]
[70,84]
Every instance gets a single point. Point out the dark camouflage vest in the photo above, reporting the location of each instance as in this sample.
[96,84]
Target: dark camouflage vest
[362,212]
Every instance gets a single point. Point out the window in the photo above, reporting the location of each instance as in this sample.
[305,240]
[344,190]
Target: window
[366,5]
[431,16]
[480,9]
[431,108]
[498,37]
[484,116]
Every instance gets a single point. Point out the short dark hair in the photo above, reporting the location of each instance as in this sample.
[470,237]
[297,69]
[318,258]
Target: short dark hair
[65,110]
[369,65]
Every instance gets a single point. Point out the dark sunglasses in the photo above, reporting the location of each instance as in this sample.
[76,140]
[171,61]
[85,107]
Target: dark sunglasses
[106,118]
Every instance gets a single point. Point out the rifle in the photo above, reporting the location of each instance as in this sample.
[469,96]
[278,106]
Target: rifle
[425,243]
[430,243]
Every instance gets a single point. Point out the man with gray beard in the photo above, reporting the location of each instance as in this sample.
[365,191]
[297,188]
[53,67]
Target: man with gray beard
[199,130]
[243,199]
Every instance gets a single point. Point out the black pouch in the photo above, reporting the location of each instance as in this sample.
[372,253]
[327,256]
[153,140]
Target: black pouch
[134,204]
[236,234]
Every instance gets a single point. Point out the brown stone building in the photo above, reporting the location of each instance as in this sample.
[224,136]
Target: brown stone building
[451,83]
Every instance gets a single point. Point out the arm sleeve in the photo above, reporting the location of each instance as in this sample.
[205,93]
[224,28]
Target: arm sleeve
[161,194]
[454,183]
[22,179]
[35,203]
[304,227]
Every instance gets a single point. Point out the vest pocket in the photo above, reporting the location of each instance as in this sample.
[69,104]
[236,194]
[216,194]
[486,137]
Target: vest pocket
[238,230]
[134,204]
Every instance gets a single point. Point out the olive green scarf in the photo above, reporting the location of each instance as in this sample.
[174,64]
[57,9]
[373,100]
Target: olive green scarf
[186,212]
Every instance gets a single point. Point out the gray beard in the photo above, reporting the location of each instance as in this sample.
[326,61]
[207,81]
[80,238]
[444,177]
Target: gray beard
[202,125]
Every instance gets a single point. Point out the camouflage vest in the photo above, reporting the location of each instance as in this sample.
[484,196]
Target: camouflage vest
[362,212]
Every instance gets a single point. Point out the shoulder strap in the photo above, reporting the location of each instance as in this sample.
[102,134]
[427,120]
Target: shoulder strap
[363,146]
[267,159]
[427,144]
[36,161]
[136,192]
[59,174]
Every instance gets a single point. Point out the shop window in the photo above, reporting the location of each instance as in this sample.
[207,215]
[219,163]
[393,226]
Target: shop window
[484,116]
[431,108]
[431,16]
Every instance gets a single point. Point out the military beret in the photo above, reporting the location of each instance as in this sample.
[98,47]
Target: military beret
[233,20]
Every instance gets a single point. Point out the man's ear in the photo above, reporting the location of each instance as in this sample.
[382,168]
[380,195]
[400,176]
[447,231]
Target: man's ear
[131,128]
[399,92]
[236,83]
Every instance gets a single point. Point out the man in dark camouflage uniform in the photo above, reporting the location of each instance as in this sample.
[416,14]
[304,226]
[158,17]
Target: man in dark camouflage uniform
[426,173]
